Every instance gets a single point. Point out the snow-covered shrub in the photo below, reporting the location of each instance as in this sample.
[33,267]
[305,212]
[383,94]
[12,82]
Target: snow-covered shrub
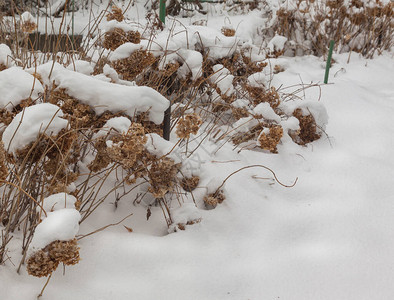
[363,26]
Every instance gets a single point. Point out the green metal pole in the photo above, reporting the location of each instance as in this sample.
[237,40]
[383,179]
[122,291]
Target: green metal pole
[328,64]
[162,12]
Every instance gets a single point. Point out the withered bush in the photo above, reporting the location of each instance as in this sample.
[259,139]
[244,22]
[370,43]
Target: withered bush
[269,141]
[212,200]
[43,262]
[190,183]
[361,26]
[116,14]
[187,125]
[309,130]
[117,37]
[132,66]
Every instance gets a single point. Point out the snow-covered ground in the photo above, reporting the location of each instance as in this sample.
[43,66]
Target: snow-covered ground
[331,236]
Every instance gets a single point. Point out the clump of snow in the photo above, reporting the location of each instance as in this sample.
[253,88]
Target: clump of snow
[29,123]
[5,55]
[244,124]
[56,202]
[118,125]
[277,43]
[258,79]
[17,85]
[192,63]
[159,147]
[188,212]
[60,225]
[81,66]
[265,110]
[102,96]
[27,17]
[223,79]
[125,50]
[308,107]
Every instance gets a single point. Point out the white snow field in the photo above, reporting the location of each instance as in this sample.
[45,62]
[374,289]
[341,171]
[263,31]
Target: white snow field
[331,236]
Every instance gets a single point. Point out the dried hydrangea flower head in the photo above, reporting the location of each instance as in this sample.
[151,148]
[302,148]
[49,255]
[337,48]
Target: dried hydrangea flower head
[188,125]
[269,138]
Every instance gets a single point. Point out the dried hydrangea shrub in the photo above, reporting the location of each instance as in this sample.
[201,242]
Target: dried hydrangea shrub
[115,14]
[270,140]
[66,252]
[212,200]
[128,148]
[162,176]
[117,37]
[190,183]
[102,159]
[40,264]
[28,26]
[260,95]
[135,64]
[228,31]
[189,124]
[308,128]
[44,261]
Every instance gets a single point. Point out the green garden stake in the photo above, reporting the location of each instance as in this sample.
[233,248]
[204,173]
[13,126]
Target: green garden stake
[162,12]
[328,64]
[167,113]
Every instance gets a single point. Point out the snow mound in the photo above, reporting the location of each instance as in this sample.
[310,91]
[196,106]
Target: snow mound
[5,54]
[29,123]
[16,85]
[60,225]
[56,202]
[118,124]
[103,96]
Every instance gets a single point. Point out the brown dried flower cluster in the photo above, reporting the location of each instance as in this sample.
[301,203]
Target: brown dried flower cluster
[260,95]
[270,140]
[28,26]
[116,14]
[45,261]
[117,37]
[182,226]
[127,149]
[308,128]
[212,200]
[135,64]
[162,176]
[187,125]
[228,31]
[190,183]
[102,159]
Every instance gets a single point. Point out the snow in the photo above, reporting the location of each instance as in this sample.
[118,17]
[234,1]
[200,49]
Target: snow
[328,237]
[56,202]
[27,17]
[102,96]
[223,79]
[266,111]
[119,125]
[17,85]
[62,225]
[29,123]
[159,147]
[5,55]
[81,66]
[277,43]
